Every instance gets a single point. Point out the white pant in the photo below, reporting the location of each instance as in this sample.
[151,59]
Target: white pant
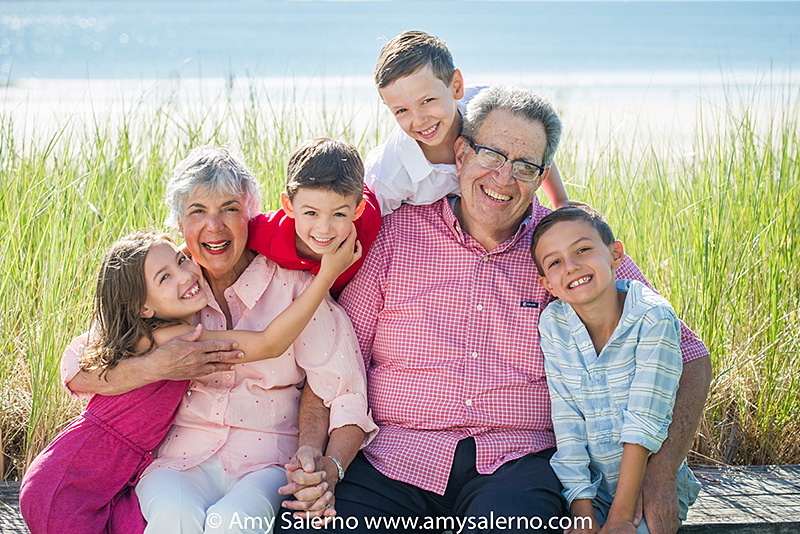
[205,499]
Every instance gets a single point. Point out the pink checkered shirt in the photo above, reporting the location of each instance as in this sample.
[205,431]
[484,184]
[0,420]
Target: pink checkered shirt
[449,336]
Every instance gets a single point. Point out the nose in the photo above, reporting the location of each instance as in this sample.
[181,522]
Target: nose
[214,223]
[503,174]
[570,264]
[323,226]
[418,116]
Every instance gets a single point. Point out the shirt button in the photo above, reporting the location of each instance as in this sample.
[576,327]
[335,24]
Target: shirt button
[468,402]
[486,258]
[479,307]
[228,376]
[474,355]
[598,376]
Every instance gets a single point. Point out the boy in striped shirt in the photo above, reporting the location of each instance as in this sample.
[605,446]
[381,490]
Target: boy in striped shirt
[613,363]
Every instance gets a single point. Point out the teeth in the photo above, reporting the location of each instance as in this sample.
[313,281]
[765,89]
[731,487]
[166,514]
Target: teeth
[195,289]
[323,240]
[496,196]
[429,130]
[218,246]
[580,281]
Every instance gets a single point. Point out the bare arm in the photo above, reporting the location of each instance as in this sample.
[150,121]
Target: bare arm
[182,358]
[631,471]
[553,187]
[312,477]
[659,495]
[279,335]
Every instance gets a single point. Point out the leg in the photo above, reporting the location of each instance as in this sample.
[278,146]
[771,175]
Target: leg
[175,502]
[250,505]
[526,493]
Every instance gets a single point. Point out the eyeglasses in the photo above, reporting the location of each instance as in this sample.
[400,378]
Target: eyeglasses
[494,161]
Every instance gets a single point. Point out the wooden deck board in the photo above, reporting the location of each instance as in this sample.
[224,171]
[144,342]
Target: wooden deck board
[734,500]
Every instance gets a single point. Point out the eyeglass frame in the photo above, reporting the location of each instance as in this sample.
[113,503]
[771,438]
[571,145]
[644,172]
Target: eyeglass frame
[475,147]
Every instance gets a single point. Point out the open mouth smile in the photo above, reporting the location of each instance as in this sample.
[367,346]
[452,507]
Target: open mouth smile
[495,196]
[217,247]
[192,291]
[430,132]
[579,282]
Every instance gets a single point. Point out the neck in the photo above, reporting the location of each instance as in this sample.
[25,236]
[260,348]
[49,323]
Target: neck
[488,238]
[304,251]
[219,282]
[601,316]
[444,151]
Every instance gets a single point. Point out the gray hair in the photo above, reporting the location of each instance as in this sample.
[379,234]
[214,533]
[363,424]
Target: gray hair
[521,102]
[213,170]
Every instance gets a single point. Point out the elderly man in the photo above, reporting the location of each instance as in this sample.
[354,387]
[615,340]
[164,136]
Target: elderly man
[446,309]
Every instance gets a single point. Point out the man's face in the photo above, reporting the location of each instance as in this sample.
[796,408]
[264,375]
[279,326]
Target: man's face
[494,203]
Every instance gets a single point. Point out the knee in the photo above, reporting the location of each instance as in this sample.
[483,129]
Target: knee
[228,517]
[166,518]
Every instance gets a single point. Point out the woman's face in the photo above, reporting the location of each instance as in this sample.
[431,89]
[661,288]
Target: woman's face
[215,229]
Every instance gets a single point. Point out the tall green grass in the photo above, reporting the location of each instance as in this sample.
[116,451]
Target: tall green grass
[717,230]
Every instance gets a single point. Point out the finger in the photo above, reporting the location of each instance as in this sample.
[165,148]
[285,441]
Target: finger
[637,511]
[214,347]
[194,335]
[308,479]
[311,493]
[359,250]
[307,458]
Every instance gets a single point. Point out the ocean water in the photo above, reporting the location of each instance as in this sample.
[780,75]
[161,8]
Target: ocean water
[181,39]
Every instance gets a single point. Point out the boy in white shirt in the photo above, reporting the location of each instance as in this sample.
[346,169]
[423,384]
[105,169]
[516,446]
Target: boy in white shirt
[420,85]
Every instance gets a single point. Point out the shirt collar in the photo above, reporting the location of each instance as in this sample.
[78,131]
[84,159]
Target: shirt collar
[250,285]
[448,213]
[411,156]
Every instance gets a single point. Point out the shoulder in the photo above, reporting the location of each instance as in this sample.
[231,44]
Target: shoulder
[647,305]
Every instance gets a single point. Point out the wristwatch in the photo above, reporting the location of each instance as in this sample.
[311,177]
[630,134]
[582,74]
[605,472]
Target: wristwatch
[338,467]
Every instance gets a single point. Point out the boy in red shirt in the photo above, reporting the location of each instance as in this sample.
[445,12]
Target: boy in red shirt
[325,199]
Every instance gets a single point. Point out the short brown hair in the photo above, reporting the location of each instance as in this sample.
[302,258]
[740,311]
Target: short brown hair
[410,51]
[571,213]
[323,163]
[118,301]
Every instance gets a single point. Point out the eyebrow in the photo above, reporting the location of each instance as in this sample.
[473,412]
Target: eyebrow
[309,206]
[570,246]
[223,205]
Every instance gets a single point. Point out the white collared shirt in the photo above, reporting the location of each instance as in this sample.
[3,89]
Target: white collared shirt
[398,172]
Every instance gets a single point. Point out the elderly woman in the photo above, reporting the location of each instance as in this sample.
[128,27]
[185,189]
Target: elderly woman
[221,465]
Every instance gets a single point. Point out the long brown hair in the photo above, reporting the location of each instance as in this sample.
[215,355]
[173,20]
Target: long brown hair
[119,298]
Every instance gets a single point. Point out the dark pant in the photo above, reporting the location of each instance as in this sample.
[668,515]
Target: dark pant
[521,496]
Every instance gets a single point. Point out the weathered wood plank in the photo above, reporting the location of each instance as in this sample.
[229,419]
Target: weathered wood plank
[734,500]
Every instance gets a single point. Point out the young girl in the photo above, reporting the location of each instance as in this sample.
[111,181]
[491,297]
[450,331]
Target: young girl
[148,292]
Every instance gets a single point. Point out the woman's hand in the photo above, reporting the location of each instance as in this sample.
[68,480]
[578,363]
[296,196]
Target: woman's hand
[311,479]
[338,261]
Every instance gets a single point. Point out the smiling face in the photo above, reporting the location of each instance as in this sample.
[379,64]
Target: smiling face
[322,219]
[173,284]
[215,229]
[426,108]
[494,203]
[578,267]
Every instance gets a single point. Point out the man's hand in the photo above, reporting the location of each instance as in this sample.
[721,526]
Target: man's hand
[618,527]
[185,358]
[658,502]
[182,358]
[311,479]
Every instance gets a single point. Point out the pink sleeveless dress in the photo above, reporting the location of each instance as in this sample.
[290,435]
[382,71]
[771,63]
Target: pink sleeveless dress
[83,481]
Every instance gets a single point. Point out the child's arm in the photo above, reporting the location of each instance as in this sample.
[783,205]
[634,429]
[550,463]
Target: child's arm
[582,508]
[631,472]
[553,187]
[284,329]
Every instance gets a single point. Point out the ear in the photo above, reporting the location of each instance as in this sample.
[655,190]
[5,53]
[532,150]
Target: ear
[457,85]
[617,253]
[545,175]
[146,313]
[287,205]
[360,208]
[461,148]
[546,284]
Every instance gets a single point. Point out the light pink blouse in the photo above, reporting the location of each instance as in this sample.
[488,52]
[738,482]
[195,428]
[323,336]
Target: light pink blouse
[249,416]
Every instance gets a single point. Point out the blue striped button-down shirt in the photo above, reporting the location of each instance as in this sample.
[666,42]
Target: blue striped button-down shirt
[625,394]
